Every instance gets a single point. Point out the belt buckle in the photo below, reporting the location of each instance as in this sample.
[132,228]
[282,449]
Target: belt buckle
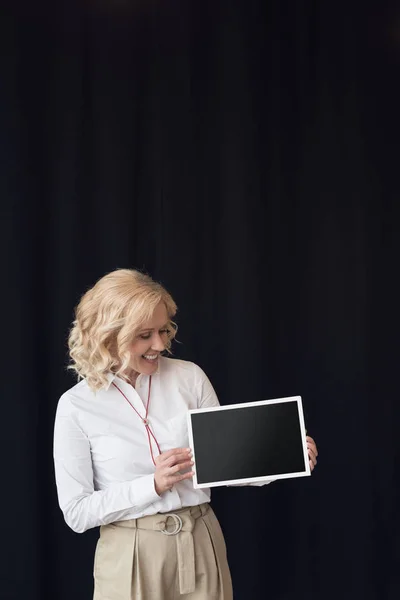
[178,524]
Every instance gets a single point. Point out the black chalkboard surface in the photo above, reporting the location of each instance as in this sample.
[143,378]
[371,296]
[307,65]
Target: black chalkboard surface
[250,442]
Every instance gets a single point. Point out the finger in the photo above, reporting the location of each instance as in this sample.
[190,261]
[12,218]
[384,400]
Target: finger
[311,454]
[161,458]
[312,466]
[178,478]
[166,455]
[176,459]
[179,452]
[181,467]
[313,446]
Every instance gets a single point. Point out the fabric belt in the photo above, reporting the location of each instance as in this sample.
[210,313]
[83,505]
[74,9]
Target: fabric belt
[180,523]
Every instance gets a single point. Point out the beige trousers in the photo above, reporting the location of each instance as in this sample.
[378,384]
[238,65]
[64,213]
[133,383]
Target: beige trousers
[174,556]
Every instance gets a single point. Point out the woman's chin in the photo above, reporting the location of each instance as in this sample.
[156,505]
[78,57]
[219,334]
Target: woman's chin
[148,367]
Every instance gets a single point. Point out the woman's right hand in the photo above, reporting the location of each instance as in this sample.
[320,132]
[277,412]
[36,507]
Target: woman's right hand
[168,465]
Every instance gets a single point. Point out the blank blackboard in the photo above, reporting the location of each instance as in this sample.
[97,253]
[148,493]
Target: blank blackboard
[248,442]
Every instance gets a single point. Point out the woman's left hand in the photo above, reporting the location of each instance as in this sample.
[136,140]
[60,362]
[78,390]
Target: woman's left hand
[312,452]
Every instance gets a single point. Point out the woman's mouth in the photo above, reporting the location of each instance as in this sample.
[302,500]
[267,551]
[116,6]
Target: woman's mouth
[150,357]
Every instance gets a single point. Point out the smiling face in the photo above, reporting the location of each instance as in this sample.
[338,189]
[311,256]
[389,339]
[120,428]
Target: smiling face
[149,342]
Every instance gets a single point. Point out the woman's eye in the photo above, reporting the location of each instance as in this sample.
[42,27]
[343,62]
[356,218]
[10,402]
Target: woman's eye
[147,336]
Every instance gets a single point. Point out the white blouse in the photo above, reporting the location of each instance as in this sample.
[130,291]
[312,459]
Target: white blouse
[103,466]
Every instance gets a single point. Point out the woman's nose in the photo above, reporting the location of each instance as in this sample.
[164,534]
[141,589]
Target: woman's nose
[158,344]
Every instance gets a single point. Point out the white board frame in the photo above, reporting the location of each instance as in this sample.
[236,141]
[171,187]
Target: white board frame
[250,480]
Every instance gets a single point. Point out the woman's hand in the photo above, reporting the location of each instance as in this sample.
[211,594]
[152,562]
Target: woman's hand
[168,465]
[312,452]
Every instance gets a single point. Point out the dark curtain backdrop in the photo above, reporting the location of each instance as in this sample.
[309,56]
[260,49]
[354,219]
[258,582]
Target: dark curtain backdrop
[246,154]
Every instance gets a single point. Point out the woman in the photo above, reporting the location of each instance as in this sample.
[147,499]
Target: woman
[121,452]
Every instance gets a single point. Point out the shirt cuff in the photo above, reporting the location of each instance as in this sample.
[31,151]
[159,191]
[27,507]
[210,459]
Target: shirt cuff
[143,492]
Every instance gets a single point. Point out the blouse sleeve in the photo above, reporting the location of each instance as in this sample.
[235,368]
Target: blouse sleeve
[82,506]
[206,396]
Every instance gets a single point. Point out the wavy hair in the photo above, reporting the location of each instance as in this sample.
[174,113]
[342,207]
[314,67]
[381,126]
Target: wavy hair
[106,321]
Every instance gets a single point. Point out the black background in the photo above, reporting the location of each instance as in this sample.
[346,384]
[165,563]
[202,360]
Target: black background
[245,154]
[255,442]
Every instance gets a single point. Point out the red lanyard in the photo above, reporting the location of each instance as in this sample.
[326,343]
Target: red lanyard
[144,419]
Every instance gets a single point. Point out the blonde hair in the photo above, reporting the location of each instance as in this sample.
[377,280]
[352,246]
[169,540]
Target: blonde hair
[106,320]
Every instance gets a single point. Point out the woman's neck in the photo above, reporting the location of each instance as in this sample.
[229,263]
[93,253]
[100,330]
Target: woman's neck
[132,376]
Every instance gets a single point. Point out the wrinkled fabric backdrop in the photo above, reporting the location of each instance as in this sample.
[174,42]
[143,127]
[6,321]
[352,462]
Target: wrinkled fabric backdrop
[246,155]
